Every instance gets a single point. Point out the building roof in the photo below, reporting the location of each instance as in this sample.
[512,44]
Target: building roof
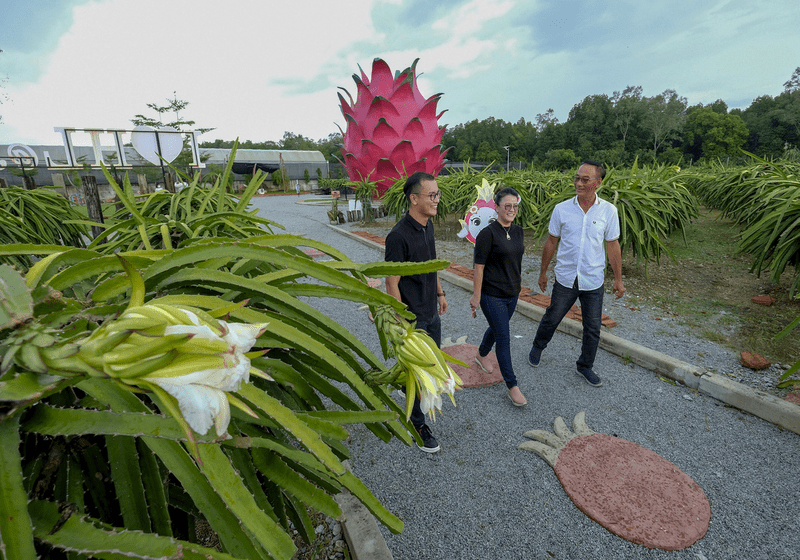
[220,156]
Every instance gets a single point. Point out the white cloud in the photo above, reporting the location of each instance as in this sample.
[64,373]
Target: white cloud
[237,67]
[255,69]
[470,18]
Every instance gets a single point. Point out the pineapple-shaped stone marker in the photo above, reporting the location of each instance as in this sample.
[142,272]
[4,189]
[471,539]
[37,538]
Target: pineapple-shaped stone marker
[631,491]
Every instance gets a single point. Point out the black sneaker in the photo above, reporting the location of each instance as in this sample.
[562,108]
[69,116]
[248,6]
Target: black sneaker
[591,377]
[429,443]
[535,357]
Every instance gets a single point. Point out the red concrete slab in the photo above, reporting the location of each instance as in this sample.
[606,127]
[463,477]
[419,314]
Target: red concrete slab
[473,376]
[371,236]
[574,313]
[793,397]
[633,492]
[753,361]
[460,270]
[311,252]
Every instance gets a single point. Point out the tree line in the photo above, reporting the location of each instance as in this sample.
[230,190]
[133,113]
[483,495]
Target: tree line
[627,125]
[328,146]
[615,129]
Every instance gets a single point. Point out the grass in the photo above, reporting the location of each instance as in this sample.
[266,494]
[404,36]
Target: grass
[710,290]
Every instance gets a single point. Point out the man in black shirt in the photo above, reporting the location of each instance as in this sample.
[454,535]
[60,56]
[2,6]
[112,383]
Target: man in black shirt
[411,240]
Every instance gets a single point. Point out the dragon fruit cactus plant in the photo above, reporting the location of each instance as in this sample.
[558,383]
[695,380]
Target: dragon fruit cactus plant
[392,130]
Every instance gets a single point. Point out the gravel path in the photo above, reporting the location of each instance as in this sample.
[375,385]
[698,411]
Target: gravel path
[481,497]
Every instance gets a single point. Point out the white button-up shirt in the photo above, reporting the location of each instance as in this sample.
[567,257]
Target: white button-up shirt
[582,237]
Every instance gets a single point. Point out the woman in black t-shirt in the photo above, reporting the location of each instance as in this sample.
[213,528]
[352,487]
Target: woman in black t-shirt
[497,282]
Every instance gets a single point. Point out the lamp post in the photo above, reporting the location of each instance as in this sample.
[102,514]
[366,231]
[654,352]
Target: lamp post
[508,157]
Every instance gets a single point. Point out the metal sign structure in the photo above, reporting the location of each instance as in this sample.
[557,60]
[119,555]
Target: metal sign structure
[22,155]
[153,142]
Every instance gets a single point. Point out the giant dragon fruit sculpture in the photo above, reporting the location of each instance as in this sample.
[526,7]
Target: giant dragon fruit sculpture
[392,130]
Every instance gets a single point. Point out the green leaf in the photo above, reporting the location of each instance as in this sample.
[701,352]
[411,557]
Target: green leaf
[273,467]
[137,284]
[75,491]
[287,240]
[43,270]
[130,204]
[16,303]
[16,529]
[28,388]
[789,328]
[178,461]
[85,535]
[299,516]
[281,302]
[29,249]
[242,461]
[327,359]
[127,477]
[286,418]
[325,429]
[220,473]
[252,187]
[352,417]
[360,491]
[382,269]
[152,479]
[169,267]
[795,367]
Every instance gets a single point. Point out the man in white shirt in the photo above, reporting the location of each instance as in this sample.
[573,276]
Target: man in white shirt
[578,228]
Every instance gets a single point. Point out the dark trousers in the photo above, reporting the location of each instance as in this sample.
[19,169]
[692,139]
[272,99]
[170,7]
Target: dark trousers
[498,312]
[561,300]
[434,329]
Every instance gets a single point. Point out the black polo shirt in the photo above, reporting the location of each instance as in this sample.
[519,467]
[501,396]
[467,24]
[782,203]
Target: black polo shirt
[502,259]
[409,241]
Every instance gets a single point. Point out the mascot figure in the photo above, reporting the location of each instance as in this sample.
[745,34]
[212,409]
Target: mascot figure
[480,214]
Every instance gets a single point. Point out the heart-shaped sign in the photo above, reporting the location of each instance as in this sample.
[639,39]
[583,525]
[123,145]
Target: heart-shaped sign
[169,140]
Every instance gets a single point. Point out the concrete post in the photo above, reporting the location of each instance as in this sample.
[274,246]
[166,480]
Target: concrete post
[93,207]
[169,182]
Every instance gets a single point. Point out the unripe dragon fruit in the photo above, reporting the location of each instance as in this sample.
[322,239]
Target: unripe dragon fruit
[392,130]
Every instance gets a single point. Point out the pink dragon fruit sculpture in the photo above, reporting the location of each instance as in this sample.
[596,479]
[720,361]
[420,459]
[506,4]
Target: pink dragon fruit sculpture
[392,130]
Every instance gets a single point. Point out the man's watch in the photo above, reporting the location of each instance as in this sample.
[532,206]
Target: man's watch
[441,294]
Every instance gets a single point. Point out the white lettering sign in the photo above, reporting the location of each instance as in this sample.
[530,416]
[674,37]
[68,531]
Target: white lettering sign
[22,155]
[152,143]
[165,137]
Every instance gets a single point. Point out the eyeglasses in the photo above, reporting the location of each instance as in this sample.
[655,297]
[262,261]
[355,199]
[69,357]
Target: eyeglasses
[584,180]
[508,207]
[434,196]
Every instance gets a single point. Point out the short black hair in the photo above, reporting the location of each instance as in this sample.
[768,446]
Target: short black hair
[598,165]
[504,192]
[414,180]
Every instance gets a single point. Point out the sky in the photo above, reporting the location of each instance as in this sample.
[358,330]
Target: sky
[254,69]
